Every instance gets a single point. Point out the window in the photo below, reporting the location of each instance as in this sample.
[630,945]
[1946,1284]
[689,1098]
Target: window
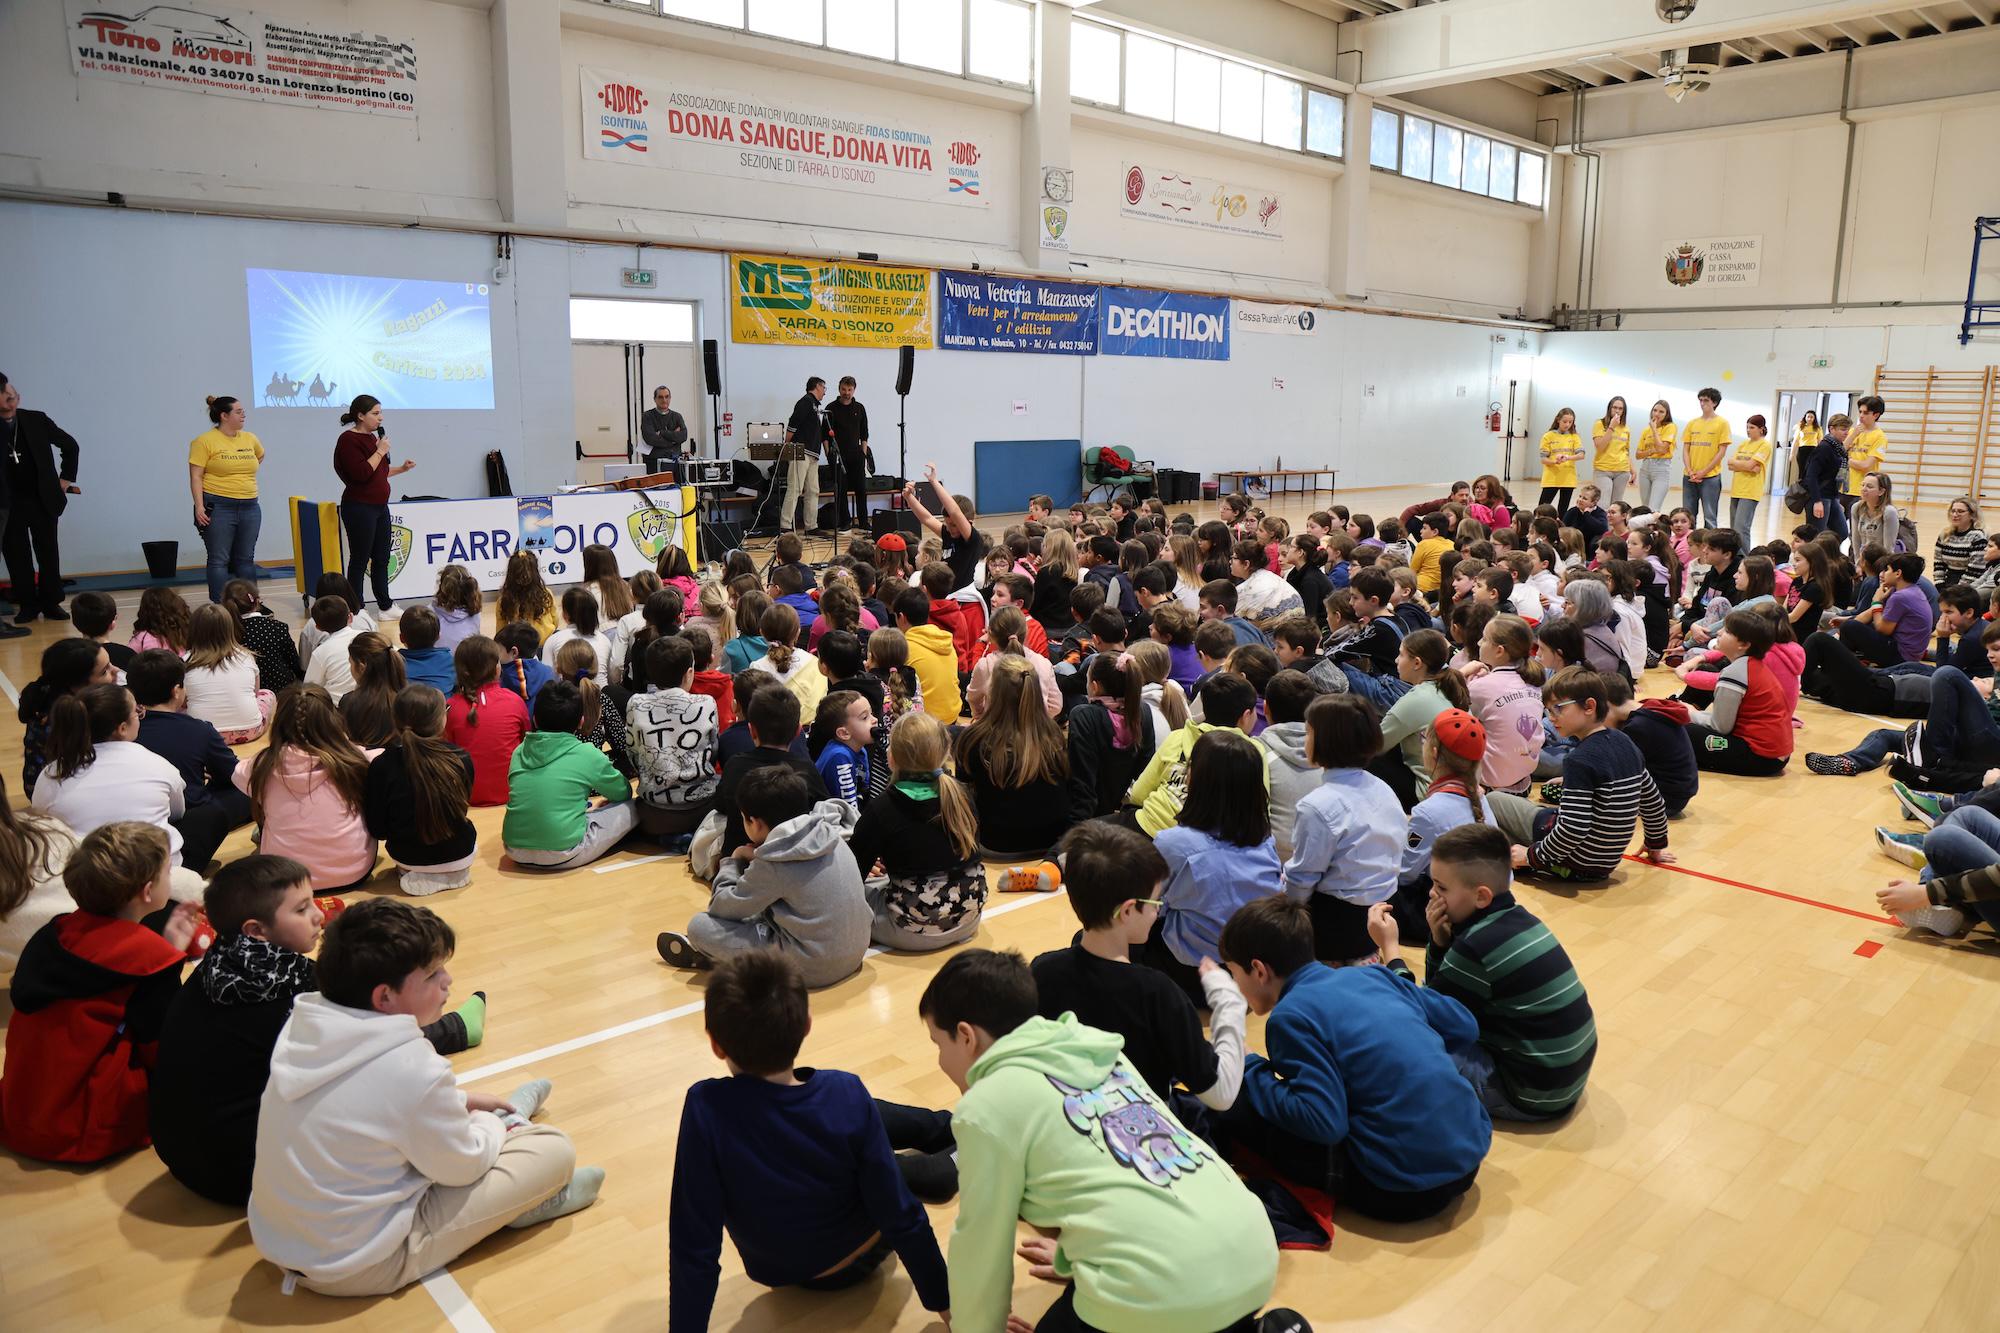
[931,35]
[1477,149]
[1529,190]
[1002,40]
[1417,148]
[729,13]
[1385,132]
[1502,184]
[1197,90]
[1326,122]
[865,27]
[1446,141]
[1149,77]
[592,320]
[1242,101]
[1094,54]
[1283,110]
[795,20]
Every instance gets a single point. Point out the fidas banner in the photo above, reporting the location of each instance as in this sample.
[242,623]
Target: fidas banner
[827,303]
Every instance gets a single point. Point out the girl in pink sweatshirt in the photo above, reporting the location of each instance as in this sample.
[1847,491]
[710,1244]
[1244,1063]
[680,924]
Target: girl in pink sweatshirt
[307,790]
[1506,689]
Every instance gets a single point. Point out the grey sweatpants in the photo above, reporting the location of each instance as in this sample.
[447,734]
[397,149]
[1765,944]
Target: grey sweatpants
[608,827]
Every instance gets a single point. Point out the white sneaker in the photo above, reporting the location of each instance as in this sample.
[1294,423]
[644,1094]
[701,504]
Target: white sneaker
[1946,921]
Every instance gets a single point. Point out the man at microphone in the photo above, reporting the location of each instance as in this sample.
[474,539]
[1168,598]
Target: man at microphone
[805,433]
[849,420]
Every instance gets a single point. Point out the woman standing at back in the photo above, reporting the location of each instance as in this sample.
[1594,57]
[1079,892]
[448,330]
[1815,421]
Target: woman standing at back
[361,461]
[1656,457]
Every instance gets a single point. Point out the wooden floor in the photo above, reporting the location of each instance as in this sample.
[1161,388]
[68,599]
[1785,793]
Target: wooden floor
[1793,1123]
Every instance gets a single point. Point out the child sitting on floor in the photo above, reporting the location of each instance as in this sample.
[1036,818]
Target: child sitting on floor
[419,794]
[328,666]
[672,735]
[1454,745]
[487,719]
[222,687]
[846,725]
[1359,1095]
[1536,1034]
[1154,802]
[425,661]
[923,833]
[307,789]
[580,620]
[89,995]
[373,1167]
[1347,841]
[550,824]
[793,1163]
[792,885]
[522,670]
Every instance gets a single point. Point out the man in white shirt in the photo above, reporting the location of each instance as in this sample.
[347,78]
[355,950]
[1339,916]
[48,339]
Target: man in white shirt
[329,665]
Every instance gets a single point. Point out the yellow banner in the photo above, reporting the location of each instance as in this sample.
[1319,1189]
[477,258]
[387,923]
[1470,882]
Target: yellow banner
[828,303]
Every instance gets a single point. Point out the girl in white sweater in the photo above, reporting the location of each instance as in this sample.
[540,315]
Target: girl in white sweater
[98,772]
[222,684]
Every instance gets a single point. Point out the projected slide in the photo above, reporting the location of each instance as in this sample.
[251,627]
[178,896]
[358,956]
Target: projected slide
[318,339]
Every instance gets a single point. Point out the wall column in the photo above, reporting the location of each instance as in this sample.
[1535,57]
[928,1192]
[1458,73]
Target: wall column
[1347,267]
[1045,135]
[529,170]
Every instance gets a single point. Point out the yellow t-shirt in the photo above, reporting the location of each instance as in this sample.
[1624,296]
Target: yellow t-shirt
[1866,449]
[1424,562]
[228,465]
[1809,436]
[1751,485]
[1705,441]
[1657,442]
[1617,455]
[1559,455]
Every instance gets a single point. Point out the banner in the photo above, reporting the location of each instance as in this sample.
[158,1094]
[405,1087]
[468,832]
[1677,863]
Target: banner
[210,48]
[982,312]
[1256,317]
[1159,195]
[710,131]
[427,535]
[827,303]
[1714,261]
[1142,323]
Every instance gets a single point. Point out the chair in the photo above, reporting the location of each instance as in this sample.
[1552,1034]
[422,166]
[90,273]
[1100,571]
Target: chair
[1139,479]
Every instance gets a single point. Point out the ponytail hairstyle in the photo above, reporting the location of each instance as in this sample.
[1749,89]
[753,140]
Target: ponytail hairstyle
[1511,635]
[369,708]
[1151,659]
[28,845]
[1118,682]
[80,722]
[1659,544]
[240,596]
[918,747]
[840,606]
[1008,631]
[780,627]
[164,614]
[576,662]
[363,404]
[1434,651]
[523,595]
[1015,738]
[1444,763]
[67,666]
[211,637]
[673,564]
[600,571]
[219,406]
[579,610]
[889,652]
[441,793]
[306,720]
[475,664]
[457,590]
[713,599]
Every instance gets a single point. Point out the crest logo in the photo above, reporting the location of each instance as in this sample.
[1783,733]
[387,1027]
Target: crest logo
[1055,221]
[651,530]
[400,541]
[1685,264]
[1135,185]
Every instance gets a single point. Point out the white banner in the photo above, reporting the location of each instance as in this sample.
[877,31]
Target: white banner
[209,48]
[1161,195]
[427,535]
[1713,262]
[1300,321]
[651,122]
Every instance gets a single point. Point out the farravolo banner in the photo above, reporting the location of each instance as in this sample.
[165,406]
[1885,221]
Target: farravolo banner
[1162,194]
[427,535]
[652,122]
[827,303]
[208,48]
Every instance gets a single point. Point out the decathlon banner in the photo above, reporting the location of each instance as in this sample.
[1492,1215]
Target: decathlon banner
[427,535]
[981,312]
[1142,323]
[208,48]
[827,303]
[711,131]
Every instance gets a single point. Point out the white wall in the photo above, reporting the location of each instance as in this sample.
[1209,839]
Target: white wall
[1427,248]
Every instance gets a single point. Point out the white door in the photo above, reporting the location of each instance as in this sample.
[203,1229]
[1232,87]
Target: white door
[613,386]
[677,366]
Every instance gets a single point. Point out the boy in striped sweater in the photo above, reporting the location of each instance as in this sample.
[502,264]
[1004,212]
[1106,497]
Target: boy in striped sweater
[1606,792]
[1537,1037]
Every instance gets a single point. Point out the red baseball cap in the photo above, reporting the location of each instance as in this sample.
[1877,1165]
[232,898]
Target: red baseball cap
[891,541]
[1461,733]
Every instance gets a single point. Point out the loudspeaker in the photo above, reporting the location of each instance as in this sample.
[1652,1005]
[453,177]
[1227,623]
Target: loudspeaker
[718,538]
[711,365]
[906,367]
[885,521]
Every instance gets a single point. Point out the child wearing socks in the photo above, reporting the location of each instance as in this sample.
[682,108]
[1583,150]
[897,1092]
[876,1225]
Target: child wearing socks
[372,1166]
[418,796]
[215,1047]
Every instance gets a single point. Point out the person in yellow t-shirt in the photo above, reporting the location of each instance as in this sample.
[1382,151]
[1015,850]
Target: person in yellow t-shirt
[1656,458]
[1704,443]
[1867,447]
[1749,478]
[1426,558]
[1611,437]
[222,476]
[1561,451]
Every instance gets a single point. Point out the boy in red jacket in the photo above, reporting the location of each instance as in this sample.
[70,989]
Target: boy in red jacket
[717,685]
[947,613]
[90,995]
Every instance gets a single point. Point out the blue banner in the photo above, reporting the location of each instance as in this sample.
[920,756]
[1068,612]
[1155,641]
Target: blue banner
[983,312]
[1143,323]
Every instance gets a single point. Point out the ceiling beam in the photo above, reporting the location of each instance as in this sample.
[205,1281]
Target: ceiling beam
[1805,35]
[1437,44]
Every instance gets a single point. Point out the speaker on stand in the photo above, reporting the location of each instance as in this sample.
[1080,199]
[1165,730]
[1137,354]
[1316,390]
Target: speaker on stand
[713,540]
[901,519]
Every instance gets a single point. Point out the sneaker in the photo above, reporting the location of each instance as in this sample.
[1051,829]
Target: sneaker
[1913,744]
[1552,792]
[1035,877]
[1905,847]
[1946,921]
[1281,1319]
[679,950]
[931,1176]
[1921,806]
[1830,765]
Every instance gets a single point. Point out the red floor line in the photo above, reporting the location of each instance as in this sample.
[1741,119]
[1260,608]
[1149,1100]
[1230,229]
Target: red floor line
[1771,893]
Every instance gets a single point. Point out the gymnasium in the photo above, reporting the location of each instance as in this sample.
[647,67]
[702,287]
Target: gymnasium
[1448,363]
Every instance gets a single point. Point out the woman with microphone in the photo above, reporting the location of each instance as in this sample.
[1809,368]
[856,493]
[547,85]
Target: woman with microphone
[361,458]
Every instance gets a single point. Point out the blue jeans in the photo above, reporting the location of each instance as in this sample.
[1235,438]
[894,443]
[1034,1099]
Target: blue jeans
[1966,839]
[1960,728]
[1836,515]
[1701,497]
[231,539]
[1475,1062]
[1743,518]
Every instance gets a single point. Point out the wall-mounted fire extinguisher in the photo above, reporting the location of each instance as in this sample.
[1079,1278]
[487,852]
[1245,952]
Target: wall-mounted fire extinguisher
[1493,418]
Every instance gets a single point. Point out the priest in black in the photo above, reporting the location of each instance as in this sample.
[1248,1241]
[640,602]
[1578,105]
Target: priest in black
[33,494]
[665,432]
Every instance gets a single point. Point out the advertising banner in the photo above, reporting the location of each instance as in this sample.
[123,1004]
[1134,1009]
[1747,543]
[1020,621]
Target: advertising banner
[827,303]
[1159,194]
[983,312]
[427,535]
[210,48]
[1300,321]
[1142,323]
[1714,261]
[711,131]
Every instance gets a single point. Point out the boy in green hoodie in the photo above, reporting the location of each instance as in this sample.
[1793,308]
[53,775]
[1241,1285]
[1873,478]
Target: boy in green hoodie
[1155,1234]
[1228,699]
[550,824]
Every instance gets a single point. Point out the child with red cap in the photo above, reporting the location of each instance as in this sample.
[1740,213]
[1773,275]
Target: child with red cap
[1454,745]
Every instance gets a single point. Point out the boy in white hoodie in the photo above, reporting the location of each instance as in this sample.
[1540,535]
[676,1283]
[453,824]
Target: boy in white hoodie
[373,1168]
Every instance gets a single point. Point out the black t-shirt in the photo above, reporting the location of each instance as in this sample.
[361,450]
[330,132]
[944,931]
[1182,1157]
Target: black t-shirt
[1814,597]
[850,424]
[733,774]
[1163,1037]
[964,554]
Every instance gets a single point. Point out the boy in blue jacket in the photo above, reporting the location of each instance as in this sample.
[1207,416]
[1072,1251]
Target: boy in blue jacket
[522,670]
[1358,1095]
[423,661]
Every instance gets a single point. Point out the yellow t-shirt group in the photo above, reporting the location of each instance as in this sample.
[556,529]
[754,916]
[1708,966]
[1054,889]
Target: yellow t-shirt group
[1559,458]
[228,463]
[1751,485]
[1866,450]
[1705,441]
[1657,441]
[1617,455]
